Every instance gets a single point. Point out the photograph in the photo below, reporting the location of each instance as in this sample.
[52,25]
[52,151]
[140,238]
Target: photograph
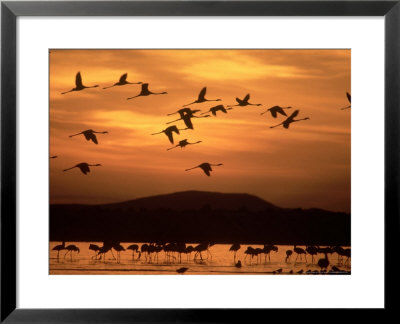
[199,161]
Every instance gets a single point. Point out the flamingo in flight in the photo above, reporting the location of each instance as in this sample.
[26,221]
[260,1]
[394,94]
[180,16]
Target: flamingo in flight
[245,102]
[146,92]
[182,144]
[276,110]
[348,98]
[290,120]
[122,81]
[84,167]
[201,98]
[184,111]
[206,167]
[187,118]
[169,132]
[78,84]
[90,135]
[214,110]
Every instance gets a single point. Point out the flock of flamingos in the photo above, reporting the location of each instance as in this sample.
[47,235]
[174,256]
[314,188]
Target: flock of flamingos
[174,251]
[173,254]
[186,115]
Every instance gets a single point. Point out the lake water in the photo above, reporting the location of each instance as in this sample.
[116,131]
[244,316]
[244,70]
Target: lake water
[220,261]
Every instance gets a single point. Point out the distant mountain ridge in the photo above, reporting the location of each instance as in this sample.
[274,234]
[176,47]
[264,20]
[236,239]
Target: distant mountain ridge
[189,200]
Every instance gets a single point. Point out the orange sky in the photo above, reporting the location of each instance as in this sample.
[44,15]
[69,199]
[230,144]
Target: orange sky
[307,165]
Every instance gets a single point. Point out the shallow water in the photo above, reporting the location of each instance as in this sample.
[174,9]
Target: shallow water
[219,261]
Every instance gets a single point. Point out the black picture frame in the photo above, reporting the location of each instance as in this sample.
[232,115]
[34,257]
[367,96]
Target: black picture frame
[10,10]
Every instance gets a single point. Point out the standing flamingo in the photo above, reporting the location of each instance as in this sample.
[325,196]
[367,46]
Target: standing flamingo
[134,248]
[201,98]
[84,167]
[245,102]
[324,263]
[299,251]
[71,248]
[235,247]
[349,99]
[59,248]
[122,81]
[288,255]
[94,248]
[90,135]
[182,144]
[169,130]
[78,84]
[290,120]
[275,110]
[146,92]
[206,167]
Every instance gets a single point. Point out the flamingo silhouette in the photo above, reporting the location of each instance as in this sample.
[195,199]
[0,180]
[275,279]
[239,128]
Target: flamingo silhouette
[323,263]
[348,98]
[187,116]
[312,250]
[59,248]
[182,144]
[118,247]
[206,167]
[146,92]
[214,110]
[184,111]
[235,247]
[84,167]
[299,251]
[245,102]
[90,135]
[201,98]
[71,248]
[276,110]
[290,120]
[169,132]
[94,248]
[78,84]
[288,255]
[182,270]
[134,248]
[122,81]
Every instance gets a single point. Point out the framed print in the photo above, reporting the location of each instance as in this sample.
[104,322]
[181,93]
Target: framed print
[207,149]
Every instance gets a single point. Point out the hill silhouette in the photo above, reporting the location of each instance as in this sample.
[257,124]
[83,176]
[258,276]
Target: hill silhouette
[198,216]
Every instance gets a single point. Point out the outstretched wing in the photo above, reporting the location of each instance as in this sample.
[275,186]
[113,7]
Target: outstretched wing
[286,125]
[281,111]
[202,94]
[83,167]
[78,80]
[145,87]
[188,122]
[295,113]
[123,77]
[91,136]
[239,101]
[170,136]
[207,170]
[247,97]
[348,96]
[273,113]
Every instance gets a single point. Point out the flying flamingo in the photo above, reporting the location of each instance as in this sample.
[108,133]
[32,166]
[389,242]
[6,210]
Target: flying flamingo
[206,167]
[245,102]
[214,110]
[122,81]
[84,167]
[275,110]
[169,130]
[348,98]
[79,86]
[184,111]
[187,117]
[201,98]
[71,248]
[90,135]
[59,248]
[235,247]
[290,120]
[182,144]
[146,92]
